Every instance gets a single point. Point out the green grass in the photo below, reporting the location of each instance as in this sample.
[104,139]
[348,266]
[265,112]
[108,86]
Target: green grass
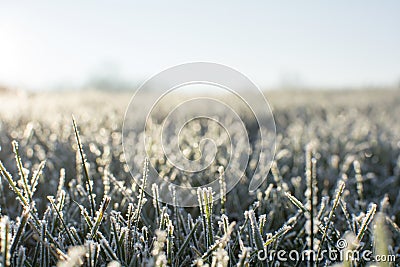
[67,197]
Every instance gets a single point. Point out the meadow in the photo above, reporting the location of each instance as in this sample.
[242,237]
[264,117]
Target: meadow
[67,197]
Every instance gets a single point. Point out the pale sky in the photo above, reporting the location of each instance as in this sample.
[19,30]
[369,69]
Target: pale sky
[47,44]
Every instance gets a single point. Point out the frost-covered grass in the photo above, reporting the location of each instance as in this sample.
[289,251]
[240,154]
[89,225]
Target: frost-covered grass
[67,197]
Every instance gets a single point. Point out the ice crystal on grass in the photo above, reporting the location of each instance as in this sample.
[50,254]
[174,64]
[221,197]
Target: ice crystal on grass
[67,197]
